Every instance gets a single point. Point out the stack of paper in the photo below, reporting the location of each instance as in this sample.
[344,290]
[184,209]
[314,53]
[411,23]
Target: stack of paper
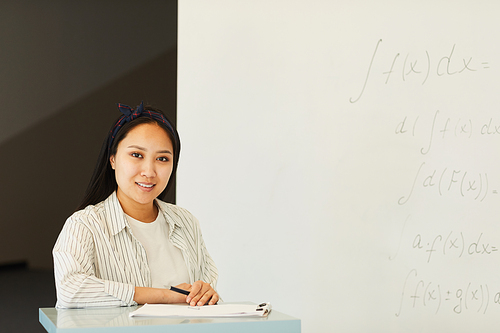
[220,310]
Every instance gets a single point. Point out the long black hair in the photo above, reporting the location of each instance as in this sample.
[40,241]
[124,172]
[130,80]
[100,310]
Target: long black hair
[103,181]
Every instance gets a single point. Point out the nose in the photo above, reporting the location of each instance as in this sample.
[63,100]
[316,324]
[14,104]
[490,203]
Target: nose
[148,169]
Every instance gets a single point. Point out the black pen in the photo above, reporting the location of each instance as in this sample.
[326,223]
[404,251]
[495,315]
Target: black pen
[180,291]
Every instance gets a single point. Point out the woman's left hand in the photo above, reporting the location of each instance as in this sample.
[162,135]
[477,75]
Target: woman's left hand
[202,293]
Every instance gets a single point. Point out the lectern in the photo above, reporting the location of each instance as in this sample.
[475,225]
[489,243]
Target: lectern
[117,320]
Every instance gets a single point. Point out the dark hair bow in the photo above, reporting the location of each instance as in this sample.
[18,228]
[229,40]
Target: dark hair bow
[130,114]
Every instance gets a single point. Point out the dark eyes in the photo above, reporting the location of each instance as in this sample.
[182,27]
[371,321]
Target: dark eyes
[162,159]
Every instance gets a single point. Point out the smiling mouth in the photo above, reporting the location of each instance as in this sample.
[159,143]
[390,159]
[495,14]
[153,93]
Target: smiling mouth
[145,185]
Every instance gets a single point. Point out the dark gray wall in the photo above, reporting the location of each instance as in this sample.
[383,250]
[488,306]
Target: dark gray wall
[63,67]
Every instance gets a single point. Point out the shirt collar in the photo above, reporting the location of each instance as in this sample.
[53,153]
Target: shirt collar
[115,214]
[162,206]
[118,220]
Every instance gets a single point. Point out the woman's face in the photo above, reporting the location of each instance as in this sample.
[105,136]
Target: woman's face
[143,164]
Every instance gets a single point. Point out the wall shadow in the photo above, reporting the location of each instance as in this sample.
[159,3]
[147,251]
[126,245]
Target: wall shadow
[46,169]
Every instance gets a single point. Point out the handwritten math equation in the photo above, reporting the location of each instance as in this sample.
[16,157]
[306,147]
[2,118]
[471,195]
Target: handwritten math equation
[443,127]
[450,181]
[453,244]
[419,293]
[421,66]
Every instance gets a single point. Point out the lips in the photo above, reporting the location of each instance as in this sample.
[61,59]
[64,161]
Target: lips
[147,186]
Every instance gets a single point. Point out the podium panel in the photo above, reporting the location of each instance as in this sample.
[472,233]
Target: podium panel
[109,320]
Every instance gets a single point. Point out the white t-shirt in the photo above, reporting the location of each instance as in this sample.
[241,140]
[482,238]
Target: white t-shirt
[166,262]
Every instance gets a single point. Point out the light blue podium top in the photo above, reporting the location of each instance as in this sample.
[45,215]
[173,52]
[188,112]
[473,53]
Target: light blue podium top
[114,320]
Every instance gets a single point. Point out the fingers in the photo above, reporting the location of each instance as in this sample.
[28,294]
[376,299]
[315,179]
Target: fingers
[201,294]
[198,289]
[209,298]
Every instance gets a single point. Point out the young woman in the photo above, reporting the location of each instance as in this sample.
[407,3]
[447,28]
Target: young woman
[125,246]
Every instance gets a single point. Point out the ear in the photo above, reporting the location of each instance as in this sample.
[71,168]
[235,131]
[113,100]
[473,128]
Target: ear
[112,162]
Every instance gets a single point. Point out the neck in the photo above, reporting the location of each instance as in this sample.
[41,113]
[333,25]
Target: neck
[146,213]
[146,216]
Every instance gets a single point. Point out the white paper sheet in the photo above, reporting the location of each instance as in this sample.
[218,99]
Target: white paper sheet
[220,310]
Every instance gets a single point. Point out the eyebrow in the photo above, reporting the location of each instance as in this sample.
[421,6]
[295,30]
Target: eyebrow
[144,149]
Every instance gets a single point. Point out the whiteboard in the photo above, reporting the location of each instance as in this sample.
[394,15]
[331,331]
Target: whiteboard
[343,158]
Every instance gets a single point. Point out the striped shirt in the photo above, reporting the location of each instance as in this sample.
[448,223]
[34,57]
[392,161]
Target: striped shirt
[99,262]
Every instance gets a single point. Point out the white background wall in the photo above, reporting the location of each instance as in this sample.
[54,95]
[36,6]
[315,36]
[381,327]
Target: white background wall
[342,157]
